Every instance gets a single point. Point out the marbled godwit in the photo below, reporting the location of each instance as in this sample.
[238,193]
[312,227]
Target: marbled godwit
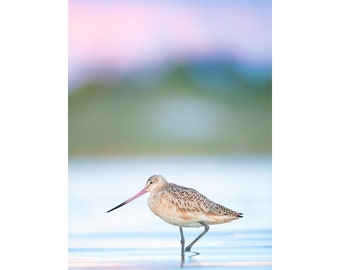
[183,207]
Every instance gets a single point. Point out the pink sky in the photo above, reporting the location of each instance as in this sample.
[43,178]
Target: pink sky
[124,35]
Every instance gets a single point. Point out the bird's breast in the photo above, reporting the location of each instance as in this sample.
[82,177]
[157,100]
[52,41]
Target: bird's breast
[167,209]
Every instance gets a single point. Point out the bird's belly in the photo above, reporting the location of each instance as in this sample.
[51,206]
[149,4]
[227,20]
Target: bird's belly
[174,215]
[171,214]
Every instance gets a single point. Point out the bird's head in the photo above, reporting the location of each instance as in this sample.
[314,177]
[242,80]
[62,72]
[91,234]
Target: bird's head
[155,183]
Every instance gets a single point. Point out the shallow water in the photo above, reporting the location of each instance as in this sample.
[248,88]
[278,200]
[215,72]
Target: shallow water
[132,237]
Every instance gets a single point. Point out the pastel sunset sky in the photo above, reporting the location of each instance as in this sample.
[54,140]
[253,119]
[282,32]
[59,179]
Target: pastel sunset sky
[124,35]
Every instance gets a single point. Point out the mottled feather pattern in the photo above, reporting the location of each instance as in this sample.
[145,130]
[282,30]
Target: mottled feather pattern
[189,199]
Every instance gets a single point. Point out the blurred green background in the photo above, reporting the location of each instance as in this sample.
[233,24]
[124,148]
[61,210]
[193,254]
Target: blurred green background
[203,107]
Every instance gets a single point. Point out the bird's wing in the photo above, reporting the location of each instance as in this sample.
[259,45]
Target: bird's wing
[189,199]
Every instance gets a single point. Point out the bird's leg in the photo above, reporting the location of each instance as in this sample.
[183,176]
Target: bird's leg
[206,229]
[182,246]
[182,242]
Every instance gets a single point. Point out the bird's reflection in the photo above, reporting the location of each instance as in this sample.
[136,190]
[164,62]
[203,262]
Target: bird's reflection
[193,254]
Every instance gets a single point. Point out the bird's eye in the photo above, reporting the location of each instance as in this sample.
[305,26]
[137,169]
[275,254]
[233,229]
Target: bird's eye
[151,182]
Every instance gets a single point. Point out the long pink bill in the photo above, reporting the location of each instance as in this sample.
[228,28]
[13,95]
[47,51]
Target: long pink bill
[143,191]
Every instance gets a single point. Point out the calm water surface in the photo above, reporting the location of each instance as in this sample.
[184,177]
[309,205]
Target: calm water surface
[132,237]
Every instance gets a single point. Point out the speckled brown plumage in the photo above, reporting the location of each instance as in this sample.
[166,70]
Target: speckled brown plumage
[189,199]
[184,206]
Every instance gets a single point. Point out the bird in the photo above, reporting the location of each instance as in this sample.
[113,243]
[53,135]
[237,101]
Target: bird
[183,207]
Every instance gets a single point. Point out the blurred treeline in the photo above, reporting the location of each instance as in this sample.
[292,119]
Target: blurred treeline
[209,106]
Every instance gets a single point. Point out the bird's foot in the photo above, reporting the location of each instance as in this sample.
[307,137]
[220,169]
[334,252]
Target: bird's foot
[195,253]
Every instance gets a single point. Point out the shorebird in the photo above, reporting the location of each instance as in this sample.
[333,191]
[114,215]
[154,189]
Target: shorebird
[183,207]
